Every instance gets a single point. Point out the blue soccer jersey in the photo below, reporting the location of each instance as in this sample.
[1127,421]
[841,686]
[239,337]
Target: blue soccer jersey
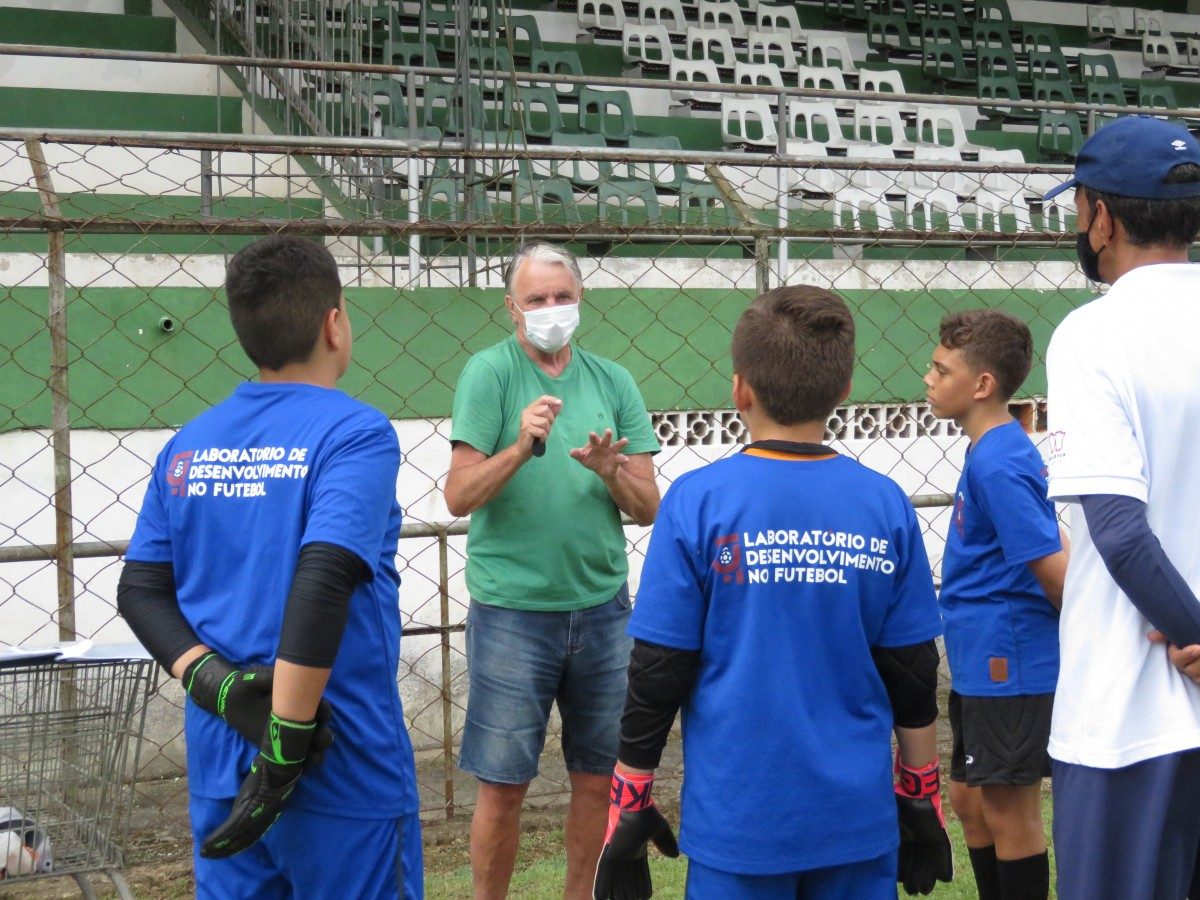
[232,499]
[1001,631]
[784,573]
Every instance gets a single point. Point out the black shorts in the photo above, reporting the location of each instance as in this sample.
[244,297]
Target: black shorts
[1000,740]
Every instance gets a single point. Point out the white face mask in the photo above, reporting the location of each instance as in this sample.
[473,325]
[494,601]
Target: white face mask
[550,329]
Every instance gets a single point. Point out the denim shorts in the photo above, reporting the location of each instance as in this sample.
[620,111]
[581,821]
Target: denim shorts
[520,662]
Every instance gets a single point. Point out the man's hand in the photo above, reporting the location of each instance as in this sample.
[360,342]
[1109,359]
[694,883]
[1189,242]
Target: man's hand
[263,794]
[1185,659]
[536,421]
[623,872]
[242,697]
[925,856]
[602,455]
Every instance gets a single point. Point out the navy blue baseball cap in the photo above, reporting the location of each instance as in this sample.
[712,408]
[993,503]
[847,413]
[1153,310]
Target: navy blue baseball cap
[1130,157]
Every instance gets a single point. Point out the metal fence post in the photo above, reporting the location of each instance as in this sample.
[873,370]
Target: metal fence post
[60,397]
[447,707]
[206,182]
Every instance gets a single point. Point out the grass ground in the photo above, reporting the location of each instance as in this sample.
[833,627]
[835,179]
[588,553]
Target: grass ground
[161,870]
[541,867]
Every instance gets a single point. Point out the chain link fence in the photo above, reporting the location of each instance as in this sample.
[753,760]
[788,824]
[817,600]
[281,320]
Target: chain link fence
[114,328]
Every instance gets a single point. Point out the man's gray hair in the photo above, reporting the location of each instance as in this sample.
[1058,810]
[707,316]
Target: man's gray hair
[543,253]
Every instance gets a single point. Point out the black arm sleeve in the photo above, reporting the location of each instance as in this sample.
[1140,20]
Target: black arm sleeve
[660,678]
[146,599]
[910,676]
[319,604]
[1138,564]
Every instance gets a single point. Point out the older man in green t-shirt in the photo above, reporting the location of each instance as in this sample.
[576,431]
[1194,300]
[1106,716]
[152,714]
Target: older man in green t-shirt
[550,445]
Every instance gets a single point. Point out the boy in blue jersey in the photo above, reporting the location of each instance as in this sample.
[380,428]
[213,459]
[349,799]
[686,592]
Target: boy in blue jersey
[1002,581]
[786,605]
[262,574]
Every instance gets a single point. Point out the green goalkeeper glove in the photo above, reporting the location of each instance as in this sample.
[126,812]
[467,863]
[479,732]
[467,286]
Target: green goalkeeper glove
[242,697]
[273,776]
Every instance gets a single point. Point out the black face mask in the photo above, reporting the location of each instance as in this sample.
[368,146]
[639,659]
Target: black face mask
[1089,259]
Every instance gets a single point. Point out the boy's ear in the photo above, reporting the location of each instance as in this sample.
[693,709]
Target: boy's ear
[986,386]
[743,394]
[846,391]
[331,332]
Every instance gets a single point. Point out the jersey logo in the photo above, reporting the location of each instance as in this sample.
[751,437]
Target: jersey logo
[1058,440]
[729,558]
[177,471]
[959,518]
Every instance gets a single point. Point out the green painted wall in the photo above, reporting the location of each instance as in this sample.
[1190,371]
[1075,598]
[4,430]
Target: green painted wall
[118,110]
[410,346]
[62,28]
[147,208]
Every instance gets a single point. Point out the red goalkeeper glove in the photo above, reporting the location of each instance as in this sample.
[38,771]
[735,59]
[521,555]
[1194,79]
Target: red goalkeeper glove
[623,872]
[925,856]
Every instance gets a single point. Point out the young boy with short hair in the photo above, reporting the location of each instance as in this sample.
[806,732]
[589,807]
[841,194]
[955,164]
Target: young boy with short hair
[1002,580]
[262,574]
[786,605]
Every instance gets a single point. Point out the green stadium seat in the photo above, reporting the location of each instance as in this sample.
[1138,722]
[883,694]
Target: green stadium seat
[892,34]
[383,19]
[1000,87]
[1039,36]
[394,113]
[702,203]
[616,201]
[556,195]
[438,24]
[531,110]
[1059,134]
[438,95]
[1156,95]
[990,35]
[346,112]
[409,53]
[494,65]
[1100,68]
[948,11]
[1103,93]
[582,173]
[342,47]
[1048,64]
[993,11]
[846,10]
[522,28]
[608,113]
[1054,90]
[942,60]
[666,177]
[558,62]
[448,190]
